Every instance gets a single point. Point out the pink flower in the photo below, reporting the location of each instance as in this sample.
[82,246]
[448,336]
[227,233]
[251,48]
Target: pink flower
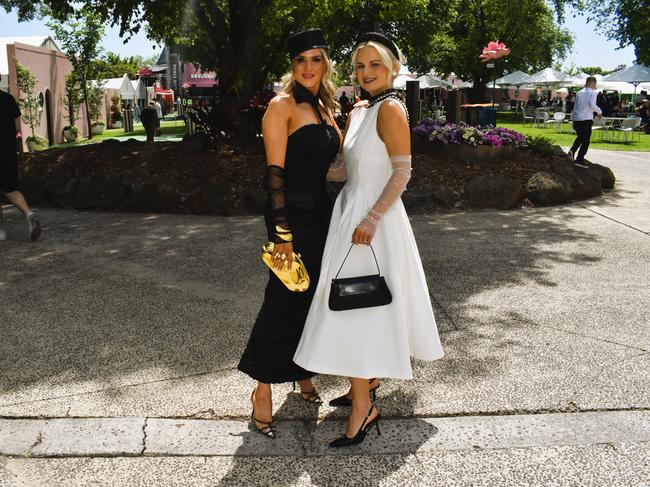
[494,50]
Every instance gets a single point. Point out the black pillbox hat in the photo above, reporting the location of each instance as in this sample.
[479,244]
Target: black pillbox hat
[306,40]
[381,39]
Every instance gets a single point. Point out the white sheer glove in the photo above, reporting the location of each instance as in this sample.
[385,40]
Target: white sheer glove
[337,171]
[392,191]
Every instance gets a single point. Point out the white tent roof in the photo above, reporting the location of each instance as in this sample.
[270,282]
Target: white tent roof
[432,81]
[123,85]
[139,89]
[549,76]
[513,79]
[399,83]
[38,41]
[634,74]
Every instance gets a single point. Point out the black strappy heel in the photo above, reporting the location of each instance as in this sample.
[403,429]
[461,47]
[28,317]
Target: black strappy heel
[268,429]
[344,401]
[361,434]
[312,396]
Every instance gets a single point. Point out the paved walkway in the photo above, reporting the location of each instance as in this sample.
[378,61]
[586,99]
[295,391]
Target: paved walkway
[121,333]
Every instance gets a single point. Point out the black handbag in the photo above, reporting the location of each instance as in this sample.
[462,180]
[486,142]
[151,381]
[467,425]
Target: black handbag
[359,292]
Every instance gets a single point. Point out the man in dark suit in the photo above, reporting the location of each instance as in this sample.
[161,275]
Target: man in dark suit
[9,112]
[149,118]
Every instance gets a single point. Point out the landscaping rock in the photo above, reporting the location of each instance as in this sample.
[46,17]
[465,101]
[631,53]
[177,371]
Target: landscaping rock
[544,188]
[256,201]
[87,195]
[33,189]
[62,193]
[110,142]
[444,197]
[493,192]
[159,194]
[219,198]
[607,178]
[585,183]
[111,192]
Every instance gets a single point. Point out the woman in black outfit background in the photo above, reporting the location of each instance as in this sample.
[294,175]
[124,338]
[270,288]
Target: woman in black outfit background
[301,140]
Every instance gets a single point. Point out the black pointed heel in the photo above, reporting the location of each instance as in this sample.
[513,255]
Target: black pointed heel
[311,396]
[345,402]
[268,429]
[361,434]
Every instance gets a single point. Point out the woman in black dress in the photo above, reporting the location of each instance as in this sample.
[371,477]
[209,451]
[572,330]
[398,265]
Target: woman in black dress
[301,141]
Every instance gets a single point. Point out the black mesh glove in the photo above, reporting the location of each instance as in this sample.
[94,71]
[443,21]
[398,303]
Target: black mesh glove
[274,185]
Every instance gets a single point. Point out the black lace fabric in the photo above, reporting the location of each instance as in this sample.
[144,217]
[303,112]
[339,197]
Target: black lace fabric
[277,201]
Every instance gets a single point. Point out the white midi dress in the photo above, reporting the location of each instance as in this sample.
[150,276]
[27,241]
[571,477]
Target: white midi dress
[378,341]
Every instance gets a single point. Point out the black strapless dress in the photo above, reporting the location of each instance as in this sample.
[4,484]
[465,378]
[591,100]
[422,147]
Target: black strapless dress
[268,357]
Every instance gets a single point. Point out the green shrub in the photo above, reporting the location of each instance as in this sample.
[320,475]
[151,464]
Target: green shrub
[540,145]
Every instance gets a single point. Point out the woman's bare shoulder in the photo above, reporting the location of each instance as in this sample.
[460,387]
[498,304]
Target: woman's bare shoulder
[280,105]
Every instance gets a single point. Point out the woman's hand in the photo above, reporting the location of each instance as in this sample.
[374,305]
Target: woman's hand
[280,250]
[361,237]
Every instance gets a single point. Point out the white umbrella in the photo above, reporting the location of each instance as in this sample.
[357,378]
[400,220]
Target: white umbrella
[515,78]
[549,76]
[634,75]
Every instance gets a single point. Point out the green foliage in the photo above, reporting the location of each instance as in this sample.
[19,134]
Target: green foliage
[116,108]
[79,36]
[111,65]
[541,145]
[627,21]
[95,100]
[28,98]
[528,28]
[72,98]
[37,139]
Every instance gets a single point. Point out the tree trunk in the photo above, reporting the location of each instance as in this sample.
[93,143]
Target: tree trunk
[90,128]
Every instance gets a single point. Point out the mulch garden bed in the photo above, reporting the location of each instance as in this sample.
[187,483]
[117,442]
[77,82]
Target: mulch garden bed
[185,177]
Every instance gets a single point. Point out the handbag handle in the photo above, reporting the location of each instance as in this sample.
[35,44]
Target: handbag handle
[346,258]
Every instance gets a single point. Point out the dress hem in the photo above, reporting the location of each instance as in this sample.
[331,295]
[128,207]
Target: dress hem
[331,371]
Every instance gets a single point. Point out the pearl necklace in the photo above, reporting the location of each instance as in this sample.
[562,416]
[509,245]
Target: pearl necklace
[389,93]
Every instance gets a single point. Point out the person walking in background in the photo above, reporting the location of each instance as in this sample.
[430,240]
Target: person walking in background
[583,118]
[149,117]
[159,113]
[644,113]
[9,112]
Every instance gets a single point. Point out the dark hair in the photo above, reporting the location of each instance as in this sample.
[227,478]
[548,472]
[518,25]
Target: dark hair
[591,79]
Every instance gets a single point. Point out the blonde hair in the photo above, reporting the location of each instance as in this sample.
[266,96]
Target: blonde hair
[388,59]
[327,88]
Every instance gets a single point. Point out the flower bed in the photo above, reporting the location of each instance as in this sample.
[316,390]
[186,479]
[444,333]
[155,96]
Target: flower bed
[466,142]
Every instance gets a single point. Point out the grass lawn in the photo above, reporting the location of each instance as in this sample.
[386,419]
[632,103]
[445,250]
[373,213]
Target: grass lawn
[512,121]
[168,128]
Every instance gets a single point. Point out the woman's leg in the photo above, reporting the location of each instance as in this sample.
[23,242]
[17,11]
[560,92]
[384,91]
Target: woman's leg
[372,385]
[263,404]
[360,405]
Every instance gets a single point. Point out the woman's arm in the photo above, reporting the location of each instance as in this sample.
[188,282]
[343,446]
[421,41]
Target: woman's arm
[393,129]
[337,171]
[275,129]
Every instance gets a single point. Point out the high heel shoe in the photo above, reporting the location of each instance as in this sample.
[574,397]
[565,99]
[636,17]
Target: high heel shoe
[344,401]
[361,434]
[268,429]
[311,396]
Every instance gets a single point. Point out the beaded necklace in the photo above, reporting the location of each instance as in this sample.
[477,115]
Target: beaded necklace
[389,93]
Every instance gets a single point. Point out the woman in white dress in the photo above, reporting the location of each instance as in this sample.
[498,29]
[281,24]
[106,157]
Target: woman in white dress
[368,343]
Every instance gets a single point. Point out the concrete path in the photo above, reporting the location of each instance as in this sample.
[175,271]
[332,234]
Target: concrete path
[129,327]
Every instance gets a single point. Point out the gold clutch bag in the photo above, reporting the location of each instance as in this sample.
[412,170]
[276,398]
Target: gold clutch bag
[296,279]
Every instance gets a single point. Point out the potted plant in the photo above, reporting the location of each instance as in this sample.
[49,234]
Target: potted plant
[97,127]
[71,100]
[70,133]
[116,111]
[95,101]
[30,105]
[36,143]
